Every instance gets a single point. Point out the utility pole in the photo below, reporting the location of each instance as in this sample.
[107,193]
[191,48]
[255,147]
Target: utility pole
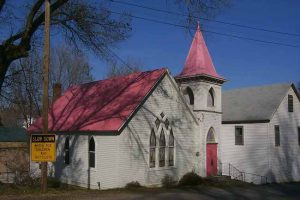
[45,87]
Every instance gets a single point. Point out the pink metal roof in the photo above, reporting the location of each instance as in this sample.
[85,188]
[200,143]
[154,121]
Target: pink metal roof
[198,61]
[100,106]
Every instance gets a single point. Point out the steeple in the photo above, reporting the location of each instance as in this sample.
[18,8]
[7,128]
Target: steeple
[198,61]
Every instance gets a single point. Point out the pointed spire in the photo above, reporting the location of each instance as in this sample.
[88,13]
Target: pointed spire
[198,61]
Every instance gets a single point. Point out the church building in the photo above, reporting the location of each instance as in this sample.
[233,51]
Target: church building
[146,125]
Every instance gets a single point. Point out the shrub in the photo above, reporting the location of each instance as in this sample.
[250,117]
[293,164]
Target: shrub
[25,179]
[133,184]
[190,178]
[168,181]
[54,183]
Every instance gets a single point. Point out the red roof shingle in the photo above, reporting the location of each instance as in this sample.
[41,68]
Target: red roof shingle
[100,106]
[198,61]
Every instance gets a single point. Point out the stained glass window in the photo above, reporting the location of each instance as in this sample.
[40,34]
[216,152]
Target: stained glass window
[167,123]
[162,149]
[157,122]
[171,149]
[152,149]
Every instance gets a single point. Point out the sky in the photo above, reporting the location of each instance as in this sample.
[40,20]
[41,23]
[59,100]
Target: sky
[243,63]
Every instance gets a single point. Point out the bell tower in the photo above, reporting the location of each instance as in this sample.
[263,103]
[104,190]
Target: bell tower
[202,86]
[199,81]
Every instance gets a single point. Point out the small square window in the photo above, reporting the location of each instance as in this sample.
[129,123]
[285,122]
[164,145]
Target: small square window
[277,135]
[239,135]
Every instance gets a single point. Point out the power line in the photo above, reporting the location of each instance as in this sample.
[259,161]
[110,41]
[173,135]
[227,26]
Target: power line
[118,57]
[202,18]
[213,32]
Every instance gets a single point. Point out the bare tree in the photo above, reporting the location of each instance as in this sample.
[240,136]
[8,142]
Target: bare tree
[23,89]
[83,23]
[130,65]
[69,67]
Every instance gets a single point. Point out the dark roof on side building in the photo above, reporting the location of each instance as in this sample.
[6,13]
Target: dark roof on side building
[8,134]
[255,104]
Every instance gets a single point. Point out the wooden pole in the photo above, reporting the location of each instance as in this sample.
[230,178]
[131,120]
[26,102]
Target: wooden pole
[45,87]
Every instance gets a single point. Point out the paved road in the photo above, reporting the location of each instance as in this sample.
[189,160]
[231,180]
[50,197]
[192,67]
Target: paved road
[274,191]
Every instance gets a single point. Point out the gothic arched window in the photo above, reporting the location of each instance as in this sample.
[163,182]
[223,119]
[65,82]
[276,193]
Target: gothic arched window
[211,98]
[190,94]
[211,136]
[152,149]
[67,151]
[162,149]
[171,149]
[92,153]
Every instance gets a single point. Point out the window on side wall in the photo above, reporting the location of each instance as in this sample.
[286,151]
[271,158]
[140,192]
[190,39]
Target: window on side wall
[290,103]
[171,149]
[67,151]
[277,135]
[239,135]
[152,149]
[92,153]
[162,149]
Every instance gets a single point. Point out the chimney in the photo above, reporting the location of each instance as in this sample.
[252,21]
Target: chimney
[56,92]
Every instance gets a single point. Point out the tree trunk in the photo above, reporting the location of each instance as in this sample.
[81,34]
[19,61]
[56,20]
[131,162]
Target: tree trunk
[3,69]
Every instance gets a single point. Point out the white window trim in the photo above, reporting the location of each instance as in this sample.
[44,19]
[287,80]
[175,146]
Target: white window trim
[157,132]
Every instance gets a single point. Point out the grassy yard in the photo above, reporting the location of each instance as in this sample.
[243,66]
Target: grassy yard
[206,190]
[55,187]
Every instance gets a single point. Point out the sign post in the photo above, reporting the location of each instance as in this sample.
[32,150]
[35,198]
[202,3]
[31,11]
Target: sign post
[45,87]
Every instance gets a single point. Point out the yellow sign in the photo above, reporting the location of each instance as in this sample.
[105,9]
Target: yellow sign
[43,147]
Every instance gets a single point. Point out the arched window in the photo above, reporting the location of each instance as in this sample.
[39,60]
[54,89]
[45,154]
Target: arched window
[190,94]
[152,149]
[67,151]
[211,136]
[167,123]
[211,98]
[162,149]
[157,122]
[171,149]
[92,153]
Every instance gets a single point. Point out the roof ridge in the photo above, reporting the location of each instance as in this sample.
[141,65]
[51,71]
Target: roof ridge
[115,77]
[259,86]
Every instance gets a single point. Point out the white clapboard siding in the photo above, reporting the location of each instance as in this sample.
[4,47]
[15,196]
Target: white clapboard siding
[285,159]
[250,157]
[134,140]
[77,172]
[124,158]
[259,155]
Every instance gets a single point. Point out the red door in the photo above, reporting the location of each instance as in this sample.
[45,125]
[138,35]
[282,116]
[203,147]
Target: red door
[211,160]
